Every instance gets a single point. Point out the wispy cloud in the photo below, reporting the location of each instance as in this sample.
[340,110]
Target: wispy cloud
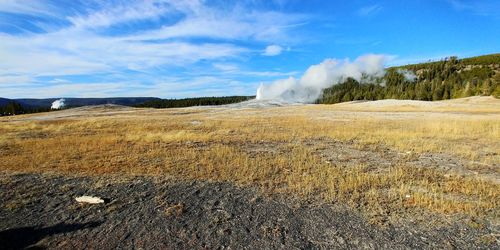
[479,7]
[234,25]
[14,79]
[86,89]
[272,50]
[235,70]
[115,13]
[183,33]
[369,10]
[226,67]
[33,8]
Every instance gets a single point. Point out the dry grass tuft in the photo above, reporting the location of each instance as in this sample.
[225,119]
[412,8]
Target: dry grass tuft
[177,210]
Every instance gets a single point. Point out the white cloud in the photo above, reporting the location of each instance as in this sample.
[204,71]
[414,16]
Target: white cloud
[320,76]
[234,25]
[272,50]
[80,49]
[235,70]
[72,51]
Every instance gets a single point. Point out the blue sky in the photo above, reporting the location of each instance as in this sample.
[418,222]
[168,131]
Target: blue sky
[174,48]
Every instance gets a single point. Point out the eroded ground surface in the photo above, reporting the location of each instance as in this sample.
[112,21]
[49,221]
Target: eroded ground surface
[381,157]
[160,213]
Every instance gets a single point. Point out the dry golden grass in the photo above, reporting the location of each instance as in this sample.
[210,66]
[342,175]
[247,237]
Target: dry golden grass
[176,210]
[213,144]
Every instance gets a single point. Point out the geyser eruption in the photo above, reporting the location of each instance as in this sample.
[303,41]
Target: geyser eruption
[321,76]
[58,104]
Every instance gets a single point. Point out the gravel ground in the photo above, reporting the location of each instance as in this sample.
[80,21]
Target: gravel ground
[40,211]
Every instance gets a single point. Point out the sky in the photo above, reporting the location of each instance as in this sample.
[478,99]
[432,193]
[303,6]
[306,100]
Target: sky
[178,49]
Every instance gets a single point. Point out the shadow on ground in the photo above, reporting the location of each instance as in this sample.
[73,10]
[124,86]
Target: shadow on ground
[23,237]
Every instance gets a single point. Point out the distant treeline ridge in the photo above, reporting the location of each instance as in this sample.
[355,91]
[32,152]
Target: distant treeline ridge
[15,108]
[197,101]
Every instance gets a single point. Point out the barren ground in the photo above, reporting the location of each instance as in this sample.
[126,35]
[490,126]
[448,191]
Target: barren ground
[385,174]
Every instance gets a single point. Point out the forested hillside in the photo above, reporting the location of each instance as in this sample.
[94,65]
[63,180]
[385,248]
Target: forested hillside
[432,81]
[198,101]
[11,107]
[29,105]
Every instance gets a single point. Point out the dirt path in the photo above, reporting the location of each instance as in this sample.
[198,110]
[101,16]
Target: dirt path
[157,213]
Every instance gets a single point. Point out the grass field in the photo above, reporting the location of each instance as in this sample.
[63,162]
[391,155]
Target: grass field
[292,150]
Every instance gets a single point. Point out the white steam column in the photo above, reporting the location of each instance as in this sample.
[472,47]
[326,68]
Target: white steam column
[321,76]
[58,104]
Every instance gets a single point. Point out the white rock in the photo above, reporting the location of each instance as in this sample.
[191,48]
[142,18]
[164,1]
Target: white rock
[89,199]
[195,122]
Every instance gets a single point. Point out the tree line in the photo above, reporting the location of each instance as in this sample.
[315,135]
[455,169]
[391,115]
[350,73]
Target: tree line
[198,101]
[15,108]
[445,79]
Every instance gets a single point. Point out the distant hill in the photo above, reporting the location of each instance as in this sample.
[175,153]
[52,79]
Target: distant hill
[78,102]
[196,101]
[445,79]
[24,106]
[12,107]
[4,101]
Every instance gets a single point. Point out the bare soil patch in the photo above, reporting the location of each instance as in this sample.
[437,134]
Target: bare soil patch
[379,157]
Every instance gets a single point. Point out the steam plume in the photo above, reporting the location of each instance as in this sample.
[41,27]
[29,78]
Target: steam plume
[320,76]
[408,75]
[58,104]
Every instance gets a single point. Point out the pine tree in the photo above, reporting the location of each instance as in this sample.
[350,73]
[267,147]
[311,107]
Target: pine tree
[486,88]
[467,90]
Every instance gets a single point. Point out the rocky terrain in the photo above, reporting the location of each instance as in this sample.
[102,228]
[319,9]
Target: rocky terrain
[40,211]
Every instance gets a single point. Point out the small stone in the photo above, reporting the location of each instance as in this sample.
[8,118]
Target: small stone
[89,199]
